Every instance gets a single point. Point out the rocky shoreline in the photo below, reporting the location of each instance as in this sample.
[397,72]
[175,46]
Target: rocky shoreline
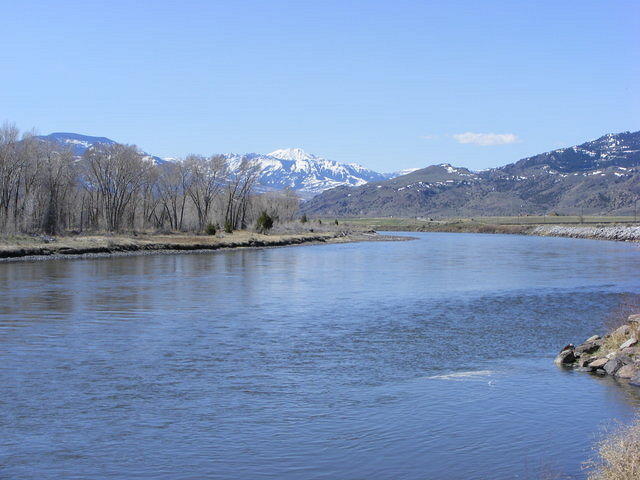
[616,232]
[621,233]
[616,354]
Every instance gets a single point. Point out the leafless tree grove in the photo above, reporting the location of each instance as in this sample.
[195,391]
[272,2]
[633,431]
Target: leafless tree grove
[114,187]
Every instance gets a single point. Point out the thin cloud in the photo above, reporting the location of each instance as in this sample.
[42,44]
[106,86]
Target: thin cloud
[486,139]
[431,136]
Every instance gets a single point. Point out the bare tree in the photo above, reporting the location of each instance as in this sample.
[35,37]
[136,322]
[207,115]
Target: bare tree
[239,189]
[43,187]
[10,168]
[172,185]
[207,178]
[56,182]
[116,174]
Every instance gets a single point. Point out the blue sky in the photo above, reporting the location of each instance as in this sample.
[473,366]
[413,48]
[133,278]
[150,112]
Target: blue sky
[388,84]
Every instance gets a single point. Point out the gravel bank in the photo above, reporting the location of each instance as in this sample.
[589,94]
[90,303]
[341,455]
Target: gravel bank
[625,233]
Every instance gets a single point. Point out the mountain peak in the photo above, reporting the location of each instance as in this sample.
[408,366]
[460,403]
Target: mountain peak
[295,154]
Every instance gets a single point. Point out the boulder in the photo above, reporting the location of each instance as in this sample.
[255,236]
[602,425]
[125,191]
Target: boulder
[592,339]
[586,348]
[627,371]
[583,362]
[613,365]
[629,343]
[625,359]
[565,357]
[598,363]
[635,380]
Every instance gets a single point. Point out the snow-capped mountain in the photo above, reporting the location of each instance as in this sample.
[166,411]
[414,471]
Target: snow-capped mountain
[80,143]
[601,176]
[293,168]
[306,173]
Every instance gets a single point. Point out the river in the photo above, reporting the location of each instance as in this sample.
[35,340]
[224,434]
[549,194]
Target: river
[426,359]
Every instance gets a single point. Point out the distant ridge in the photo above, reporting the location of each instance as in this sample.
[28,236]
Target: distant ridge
[79,143]
[600,176]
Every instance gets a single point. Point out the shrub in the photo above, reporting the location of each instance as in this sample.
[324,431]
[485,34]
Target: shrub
[618,455]
[336,221]
[304,218]
[264,222]
[228,226]
[210,229]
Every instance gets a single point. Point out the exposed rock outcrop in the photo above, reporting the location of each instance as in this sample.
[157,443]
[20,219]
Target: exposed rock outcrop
[616,354]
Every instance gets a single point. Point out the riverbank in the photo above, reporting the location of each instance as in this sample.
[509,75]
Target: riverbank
[24,247]
[617,232]
[616,354]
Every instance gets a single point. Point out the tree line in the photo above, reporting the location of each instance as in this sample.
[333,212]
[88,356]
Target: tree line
[44,188]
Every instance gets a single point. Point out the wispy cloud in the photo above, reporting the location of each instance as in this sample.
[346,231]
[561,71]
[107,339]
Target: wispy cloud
[486,139]
[430,136]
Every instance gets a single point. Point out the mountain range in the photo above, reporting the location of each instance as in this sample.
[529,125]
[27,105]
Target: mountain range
[599,176]
[292,168]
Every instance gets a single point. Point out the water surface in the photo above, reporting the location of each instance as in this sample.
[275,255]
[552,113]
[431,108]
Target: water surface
[429,359]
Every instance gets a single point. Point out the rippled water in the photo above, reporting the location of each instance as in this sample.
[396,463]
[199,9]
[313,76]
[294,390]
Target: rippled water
[429,359]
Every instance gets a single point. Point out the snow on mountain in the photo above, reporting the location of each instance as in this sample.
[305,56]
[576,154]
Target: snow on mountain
[399,173]
[78,143]
[305,173]
[599,177]
[81,143]
[293,168]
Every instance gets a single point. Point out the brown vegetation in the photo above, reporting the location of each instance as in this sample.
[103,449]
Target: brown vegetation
[618,455]
[116,188]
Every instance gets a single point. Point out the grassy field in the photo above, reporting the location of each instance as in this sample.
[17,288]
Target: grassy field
[420,223]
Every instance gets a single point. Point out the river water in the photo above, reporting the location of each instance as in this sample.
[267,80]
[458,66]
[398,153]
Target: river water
[425,359]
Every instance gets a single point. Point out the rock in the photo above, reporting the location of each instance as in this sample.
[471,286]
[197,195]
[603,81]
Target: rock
[627,371]
[622,330]
[629,343]
[586,348]
[613,365]
[565,357]
[625,359]
[635,380]
[634,318]
[583,362]
[592,339]
[631,350]
[598,363]
[567,347]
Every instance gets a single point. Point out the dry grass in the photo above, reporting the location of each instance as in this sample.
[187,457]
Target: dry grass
[24,245]
[78,244]
[618,455]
